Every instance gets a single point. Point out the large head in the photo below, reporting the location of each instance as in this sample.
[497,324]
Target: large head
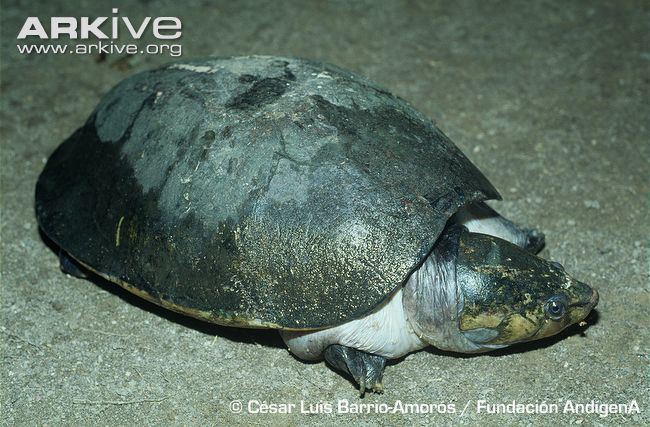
[477,293]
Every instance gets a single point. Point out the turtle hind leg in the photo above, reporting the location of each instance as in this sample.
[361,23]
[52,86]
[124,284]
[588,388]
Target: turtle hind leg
[367,369]
[70,266]
[480,218]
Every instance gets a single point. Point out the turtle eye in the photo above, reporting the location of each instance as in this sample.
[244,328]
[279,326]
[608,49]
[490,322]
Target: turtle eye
[555,308]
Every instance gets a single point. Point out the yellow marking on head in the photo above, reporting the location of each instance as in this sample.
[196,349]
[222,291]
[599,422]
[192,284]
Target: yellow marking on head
[117,232]
[517,328]
[481,321]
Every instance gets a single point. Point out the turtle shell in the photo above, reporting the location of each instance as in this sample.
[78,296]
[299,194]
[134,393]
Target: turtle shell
[255,191]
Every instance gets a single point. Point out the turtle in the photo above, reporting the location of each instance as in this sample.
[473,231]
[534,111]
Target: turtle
[291,194]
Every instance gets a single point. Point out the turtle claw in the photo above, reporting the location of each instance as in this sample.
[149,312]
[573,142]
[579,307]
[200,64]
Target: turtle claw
[367,369]
[535,240]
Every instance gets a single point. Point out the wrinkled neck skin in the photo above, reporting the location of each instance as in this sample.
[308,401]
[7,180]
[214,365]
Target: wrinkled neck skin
[432,299]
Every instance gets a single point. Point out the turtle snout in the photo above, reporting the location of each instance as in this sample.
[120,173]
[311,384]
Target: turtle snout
[588,296]
[593,301]
[587,299]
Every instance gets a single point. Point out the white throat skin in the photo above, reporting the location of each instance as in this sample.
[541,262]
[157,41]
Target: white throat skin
[433,297]
[386,332]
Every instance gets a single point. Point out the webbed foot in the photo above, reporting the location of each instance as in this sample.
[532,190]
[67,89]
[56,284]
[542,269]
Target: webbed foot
[367,369]
[535,240]
[70,266]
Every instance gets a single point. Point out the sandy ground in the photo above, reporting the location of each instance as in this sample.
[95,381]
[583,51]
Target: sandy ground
[549,99]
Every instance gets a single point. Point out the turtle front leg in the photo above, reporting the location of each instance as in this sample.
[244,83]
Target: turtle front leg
[367,369]
[480,218]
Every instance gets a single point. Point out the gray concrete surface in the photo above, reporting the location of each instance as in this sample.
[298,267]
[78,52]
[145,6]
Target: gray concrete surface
[549,99]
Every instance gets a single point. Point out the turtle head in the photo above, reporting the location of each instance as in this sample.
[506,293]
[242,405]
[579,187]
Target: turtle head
[511,295]
[477,293]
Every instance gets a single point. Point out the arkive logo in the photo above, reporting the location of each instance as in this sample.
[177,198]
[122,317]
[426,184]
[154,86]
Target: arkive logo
[162,28]
[100,35]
